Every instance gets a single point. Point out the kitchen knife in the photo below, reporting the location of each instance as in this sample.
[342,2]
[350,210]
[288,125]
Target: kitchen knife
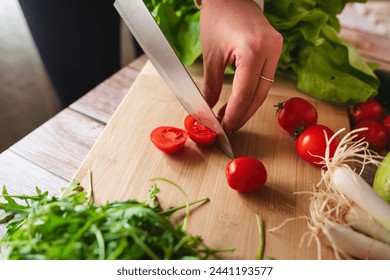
[155,45]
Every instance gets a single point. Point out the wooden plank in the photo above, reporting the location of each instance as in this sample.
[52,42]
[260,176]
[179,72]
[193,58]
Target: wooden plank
[123,160]
[101,102]
[138,63]
[384,66]
[21,176]
[60,144]
[371,46]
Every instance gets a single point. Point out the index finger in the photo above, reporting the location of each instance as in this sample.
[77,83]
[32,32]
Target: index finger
[244,87]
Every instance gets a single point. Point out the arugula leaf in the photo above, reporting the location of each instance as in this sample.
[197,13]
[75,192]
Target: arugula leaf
[73,227]
[12,207]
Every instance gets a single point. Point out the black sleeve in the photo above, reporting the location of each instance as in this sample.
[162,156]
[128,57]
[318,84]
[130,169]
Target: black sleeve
[78,41]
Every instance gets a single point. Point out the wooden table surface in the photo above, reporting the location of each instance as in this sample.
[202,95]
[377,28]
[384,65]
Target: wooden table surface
[50,155]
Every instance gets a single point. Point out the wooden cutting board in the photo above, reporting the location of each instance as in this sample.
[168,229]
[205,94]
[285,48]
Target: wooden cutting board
[123,161]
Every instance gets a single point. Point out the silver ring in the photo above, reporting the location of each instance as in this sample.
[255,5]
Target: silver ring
[267,79]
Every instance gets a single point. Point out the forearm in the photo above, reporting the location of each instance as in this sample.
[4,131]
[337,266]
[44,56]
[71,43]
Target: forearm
[258,2]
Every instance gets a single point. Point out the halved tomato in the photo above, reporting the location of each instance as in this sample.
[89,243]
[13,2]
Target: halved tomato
[200,134]
[168,139]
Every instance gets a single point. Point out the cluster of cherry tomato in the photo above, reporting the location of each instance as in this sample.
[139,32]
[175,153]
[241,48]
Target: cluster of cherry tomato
[243,174]
[171,139]
[370,114]
[299,118]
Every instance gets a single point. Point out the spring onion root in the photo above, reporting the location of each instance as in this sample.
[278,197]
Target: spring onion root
[352,243]
[344,209]
[355,188]
[362,222]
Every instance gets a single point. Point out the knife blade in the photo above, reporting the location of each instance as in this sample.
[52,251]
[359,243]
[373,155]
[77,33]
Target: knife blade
[158,50]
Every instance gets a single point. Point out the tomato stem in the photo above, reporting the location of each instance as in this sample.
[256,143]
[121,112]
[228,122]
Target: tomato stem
[279,106]
[298,131]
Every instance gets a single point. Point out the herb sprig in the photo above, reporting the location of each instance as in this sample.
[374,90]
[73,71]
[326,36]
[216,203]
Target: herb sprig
[72,227]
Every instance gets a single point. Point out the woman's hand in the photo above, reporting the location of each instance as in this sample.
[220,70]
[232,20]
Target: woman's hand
[237,31]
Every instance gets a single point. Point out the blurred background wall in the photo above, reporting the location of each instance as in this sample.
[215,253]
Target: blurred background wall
[27,98]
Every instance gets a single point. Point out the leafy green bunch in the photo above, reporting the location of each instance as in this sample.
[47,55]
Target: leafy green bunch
[72,227]
[179,21]
[323,64]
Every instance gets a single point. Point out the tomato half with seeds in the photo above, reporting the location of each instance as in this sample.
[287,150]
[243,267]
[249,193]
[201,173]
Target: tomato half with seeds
[246,174]
[311,144]
[296,114]
[168,139]
[199,133]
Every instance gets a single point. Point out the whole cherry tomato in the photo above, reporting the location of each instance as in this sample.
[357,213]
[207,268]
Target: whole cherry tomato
[311,144]
[246,174]
[375,135]
[168,139]
[295,115]
[199,133]
[369,110]
[386,124]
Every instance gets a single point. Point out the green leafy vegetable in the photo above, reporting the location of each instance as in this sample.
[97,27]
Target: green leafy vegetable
[324,65]
[179,21]
[73,227]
